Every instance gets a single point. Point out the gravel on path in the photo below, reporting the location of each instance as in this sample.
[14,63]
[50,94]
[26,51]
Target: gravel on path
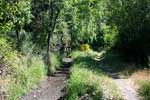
[127,89]
[51,88]
[125,85]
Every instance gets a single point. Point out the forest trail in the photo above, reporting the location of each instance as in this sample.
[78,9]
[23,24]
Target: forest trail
[126,88]
[50,89]
[125,85]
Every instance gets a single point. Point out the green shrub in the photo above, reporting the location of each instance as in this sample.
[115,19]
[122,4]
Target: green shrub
[55,62]
[144,90]
[27,73]
[109,35]
[76,54]
[87,79]
[84,47]
[23,71]
[5,49]
[80,85]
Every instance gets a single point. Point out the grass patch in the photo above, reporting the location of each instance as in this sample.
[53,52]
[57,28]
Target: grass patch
[80,85]
[88,81]
[26,73]
[55,62]
[76,54]
[141,79]
[144,90]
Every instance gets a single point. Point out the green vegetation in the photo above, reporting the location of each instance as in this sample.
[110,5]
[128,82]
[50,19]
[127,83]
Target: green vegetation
[144,90]
[130,17]
[36,34]
[25,77]
[55,62]
[21,73]
[142,81]
[87,80]
[84,47]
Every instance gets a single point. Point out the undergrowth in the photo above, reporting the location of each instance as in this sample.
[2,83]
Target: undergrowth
[55,62]
[88,81]
[20,72]
[141,79]
[144,90]
[27,73]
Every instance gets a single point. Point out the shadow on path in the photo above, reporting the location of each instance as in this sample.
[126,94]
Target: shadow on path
[124,84]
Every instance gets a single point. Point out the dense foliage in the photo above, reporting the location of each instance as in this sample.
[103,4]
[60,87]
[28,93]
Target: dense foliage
[144,90]
[49,29]
[103,23]
[131,17]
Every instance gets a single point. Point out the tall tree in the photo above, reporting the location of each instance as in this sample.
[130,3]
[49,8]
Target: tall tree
[132,20]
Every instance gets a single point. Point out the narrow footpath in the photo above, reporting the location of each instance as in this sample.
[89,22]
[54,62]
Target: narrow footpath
[127,89]
[125,85]
[52,88]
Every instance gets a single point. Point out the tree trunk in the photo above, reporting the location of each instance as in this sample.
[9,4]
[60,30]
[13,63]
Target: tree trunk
[48,53]
[52,23]
[48,38]
[17,40]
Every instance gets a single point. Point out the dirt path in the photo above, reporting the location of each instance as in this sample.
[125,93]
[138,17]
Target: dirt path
[126,88]
[125,85]
[50,89]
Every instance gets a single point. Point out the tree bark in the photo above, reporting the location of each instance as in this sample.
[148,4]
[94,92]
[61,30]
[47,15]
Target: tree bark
[48,38]
[17,39]
[52,23]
